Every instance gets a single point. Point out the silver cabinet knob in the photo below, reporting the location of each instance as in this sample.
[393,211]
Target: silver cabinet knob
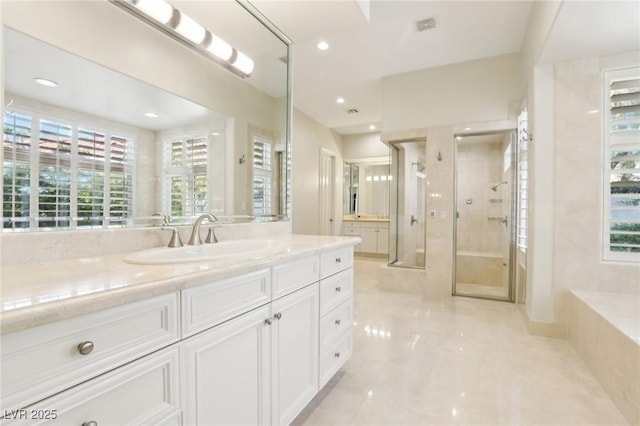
[278,316]
[85,348]
[338,259]
[268,321]
[338,289]
[337,354]
[337,322]
[90,423]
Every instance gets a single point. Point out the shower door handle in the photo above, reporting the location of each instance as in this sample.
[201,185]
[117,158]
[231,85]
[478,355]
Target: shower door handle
[413,220]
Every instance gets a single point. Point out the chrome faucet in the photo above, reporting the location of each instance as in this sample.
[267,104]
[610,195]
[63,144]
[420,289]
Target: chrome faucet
[195,240]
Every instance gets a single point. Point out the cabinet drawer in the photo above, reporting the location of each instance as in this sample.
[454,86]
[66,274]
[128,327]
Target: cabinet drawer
[211,304]
[152,382]
[291,276]
[335,290]
[335,261]
[350,225]
[44,360]
[336,322]
[351,232]
[335,356]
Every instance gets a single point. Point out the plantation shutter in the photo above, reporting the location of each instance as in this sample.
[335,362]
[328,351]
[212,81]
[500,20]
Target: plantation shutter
[16,171]
[622,168]
[262,175]
[186,176]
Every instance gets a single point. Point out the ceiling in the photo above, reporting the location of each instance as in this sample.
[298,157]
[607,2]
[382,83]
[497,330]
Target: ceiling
[363,51]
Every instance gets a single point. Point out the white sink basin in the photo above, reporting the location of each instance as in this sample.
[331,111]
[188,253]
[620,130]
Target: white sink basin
[224,250]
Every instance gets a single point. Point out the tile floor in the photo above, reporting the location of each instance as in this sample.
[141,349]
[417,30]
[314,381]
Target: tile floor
[426,358]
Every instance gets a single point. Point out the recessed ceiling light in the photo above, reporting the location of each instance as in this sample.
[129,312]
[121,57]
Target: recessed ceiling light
[151,115]
[467,128]
[215,133]
[372,127]
[45,82]
[594,111]
[340,100]
[323,45]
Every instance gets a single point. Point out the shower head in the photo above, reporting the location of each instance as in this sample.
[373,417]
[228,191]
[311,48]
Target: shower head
[495,186]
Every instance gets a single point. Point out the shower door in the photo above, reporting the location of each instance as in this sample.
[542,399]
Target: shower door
[407,204]
[485,181]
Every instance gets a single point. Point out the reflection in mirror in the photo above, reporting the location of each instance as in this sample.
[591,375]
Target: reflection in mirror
[97,148]
[366,187]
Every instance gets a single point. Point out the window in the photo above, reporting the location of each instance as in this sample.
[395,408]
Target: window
[262,156]
[185,160]
[622,165]
[523,178]
[74,177]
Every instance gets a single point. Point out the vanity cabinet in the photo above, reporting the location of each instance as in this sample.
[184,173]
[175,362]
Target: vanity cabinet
[374,235]
[253,349]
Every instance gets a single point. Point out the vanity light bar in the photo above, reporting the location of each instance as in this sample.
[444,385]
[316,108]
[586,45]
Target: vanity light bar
[185,29]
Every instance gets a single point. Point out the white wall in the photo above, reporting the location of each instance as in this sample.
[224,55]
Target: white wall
[363,145]
[473,91]
[308,136]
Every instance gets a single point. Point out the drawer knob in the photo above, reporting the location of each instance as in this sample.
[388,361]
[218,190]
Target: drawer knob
[90,423]
[338,260]
[267,321]
[337,354]
[337,322]
[278,315]
[338,288]
[85,348]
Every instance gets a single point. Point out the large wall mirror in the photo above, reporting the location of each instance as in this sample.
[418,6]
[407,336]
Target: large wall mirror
[366,187]
[138,123]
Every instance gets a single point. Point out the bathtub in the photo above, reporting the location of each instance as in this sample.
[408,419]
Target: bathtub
[604,328]
[479,268]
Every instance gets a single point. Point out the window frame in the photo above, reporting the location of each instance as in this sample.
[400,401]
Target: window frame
[609,76]
[36,162]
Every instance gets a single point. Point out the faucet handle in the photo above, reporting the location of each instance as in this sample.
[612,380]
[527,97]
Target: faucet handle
[175,240]
[211,235]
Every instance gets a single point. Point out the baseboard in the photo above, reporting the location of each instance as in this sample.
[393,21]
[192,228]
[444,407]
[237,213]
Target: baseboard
[544,329]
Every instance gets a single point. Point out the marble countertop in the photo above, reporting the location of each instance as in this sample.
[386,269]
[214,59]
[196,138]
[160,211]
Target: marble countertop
[364,219]
[41,293]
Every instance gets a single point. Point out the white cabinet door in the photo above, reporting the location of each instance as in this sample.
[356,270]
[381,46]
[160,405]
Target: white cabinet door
[383,240]
[369,238]
[294,363]
[226,370]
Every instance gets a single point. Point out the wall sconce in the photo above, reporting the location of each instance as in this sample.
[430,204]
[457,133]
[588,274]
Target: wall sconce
[183,28]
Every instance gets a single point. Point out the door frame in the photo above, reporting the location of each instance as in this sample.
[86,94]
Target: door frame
[327,182]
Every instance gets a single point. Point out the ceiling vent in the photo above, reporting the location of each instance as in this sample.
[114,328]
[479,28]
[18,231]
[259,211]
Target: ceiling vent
[426,24]
[352,111]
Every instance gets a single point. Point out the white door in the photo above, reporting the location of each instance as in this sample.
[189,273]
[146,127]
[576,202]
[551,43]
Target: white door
[223,364]
[294,358]
[326,181]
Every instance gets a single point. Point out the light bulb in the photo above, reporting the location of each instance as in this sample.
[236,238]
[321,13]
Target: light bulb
[190,29]
[219,48]
[243,63]
[159,10]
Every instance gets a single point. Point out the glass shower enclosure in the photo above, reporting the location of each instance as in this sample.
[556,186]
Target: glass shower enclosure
[485,201]
[407,204]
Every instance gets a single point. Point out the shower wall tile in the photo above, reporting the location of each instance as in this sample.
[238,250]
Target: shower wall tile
[578,145]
